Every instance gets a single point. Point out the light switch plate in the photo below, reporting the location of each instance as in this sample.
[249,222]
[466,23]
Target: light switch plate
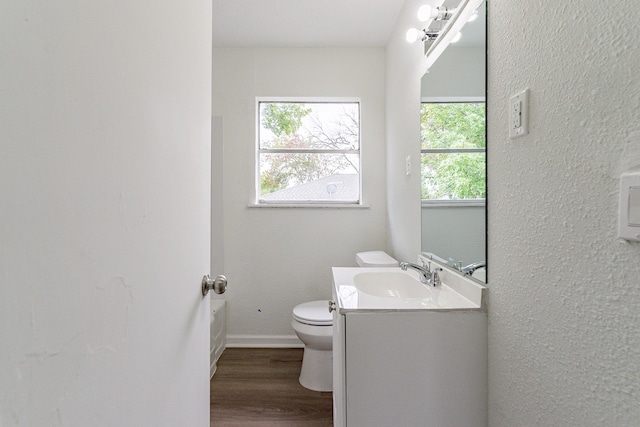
[629,209]
[519,114]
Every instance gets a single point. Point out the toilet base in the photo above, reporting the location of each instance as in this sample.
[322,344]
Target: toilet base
[317,370]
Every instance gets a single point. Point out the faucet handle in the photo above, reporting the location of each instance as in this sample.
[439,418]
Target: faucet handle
[426,264]
[435,277]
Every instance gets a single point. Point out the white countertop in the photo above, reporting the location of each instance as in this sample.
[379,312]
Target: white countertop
[440,298]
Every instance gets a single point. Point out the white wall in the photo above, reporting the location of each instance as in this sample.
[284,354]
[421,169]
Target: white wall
[104,213]
[564,296]
[459,71]
[403,73]
[564,341]
[276,258]
[455,232]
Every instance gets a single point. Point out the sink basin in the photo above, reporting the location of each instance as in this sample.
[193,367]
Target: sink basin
[375,288]
[393,284]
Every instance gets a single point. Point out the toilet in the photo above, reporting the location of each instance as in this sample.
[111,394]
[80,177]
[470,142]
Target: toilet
[313,324]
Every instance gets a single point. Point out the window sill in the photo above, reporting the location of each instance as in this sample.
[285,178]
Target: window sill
[309,205]
[453,203]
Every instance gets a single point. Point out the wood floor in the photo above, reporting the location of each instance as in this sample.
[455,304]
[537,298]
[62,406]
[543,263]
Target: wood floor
[259,387]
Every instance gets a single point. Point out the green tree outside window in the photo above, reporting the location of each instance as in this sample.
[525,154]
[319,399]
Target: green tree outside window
[453,150]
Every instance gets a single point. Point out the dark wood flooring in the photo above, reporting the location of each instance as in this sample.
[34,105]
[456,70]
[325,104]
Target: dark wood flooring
[259,387]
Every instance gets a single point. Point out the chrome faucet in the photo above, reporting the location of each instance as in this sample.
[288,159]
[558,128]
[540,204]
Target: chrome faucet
[425,273]
[426,276]
[435,277]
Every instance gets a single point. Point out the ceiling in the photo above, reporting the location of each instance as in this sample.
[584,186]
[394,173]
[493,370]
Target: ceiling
[304,23]
[315,23]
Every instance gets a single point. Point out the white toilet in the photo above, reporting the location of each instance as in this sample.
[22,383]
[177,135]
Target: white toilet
[313,324]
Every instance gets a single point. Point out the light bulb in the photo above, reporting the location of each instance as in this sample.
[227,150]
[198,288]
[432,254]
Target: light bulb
[412,35]
[456,37]
[427,12]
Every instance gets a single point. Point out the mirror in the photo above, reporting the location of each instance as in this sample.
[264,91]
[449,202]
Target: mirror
[453,159]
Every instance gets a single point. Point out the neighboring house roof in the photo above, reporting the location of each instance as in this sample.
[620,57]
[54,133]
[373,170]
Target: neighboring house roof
[338,187]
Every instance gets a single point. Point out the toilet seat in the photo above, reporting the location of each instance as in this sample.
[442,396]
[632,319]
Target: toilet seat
[313,313]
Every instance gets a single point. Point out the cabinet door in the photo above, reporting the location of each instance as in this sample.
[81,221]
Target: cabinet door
[415,369]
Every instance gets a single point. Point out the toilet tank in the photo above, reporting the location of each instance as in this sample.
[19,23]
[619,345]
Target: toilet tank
[375,259]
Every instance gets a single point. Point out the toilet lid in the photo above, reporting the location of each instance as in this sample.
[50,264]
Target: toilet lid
[313,313]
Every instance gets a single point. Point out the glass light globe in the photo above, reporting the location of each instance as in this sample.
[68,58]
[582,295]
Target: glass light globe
[412,35]
[426,12]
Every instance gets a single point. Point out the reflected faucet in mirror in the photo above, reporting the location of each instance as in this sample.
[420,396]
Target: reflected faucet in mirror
[471,268]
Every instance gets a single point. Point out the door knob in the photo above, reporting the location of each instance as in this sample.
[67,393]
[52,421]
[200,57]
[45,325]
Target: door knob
[219,284]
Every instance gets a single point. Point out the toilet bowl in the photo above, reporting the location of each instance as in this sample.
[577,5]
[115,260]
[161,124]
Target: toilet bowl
[313,324]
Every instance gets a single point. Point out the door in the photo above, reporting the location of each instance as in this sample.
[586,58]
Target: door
[104,212]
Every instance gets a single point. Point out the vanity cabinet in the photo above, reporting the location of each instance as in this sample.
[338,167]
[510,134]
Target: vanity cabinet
[409,367]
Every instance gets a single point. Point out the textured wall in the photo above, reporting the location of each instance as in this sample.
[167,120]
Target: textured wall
[276,258]
[564,310]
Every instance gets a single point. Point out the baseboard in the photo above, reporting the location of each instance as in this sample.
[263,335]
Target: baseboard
[214,356]
[212,370]
[264,341]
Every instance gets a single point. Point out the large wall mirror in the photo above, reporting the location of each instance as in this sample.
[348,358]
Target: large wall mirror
[453,151]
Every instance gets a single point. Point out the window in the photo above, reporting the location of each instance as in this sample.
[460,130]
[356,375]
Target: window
[453,151]
[308,152]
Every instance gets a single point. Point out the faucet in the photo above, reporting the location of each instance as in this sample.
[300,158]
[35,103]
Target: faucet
[469,269]
[425,273]
[427,276]
[435,277]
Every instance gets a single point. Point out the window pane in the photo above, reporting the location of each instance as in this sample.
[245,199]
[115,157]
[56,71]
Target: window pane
[316,125]
[453,125]
[314,173]
[309,177]
[453,176]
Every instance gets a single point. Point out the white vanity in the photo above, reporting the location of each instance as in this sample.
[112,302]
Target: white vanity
[408,354]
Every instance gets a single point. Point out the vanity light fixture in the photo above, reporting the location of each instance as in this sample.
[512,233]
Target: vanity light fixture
[429,13]
[413,34]
[450,21]
[441,13]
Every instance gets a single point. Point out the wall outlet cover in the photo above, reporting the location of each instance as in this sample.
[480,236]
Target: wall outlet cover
[629,208]
[519,114]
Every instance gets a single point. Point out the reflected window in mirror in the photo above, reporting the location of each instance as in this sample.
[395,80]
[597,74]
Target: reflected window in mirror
[453,211]
[453,151]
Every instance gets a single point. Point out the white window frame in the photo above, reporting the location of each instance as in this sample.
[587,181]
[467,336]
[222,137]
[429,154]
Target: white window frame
[257,201]
[453,100]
